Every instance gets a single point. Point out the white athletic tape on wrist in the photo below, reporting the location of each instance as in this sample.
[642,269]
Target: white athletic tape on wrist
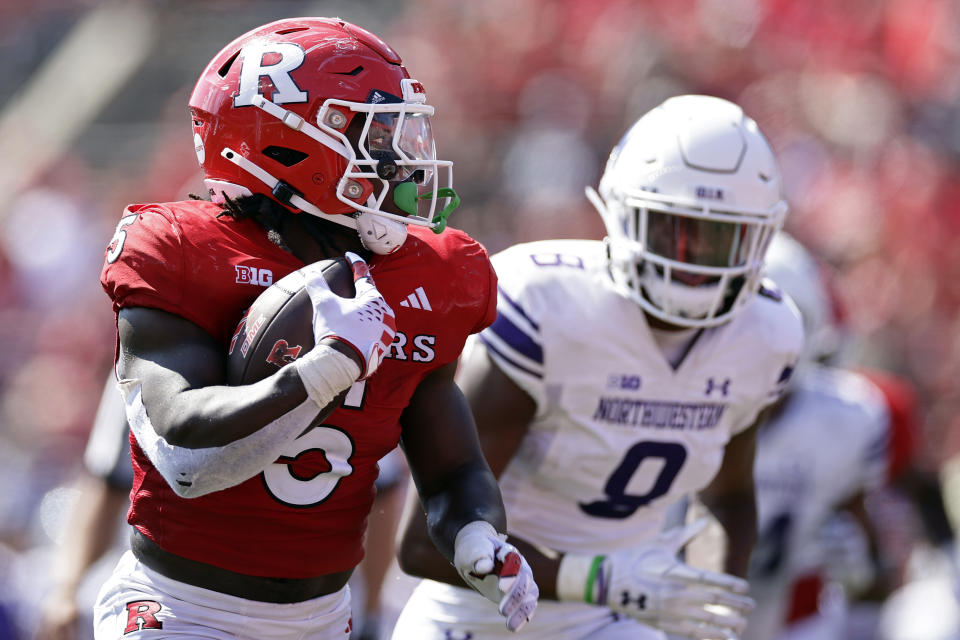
[325,372]
[579,578]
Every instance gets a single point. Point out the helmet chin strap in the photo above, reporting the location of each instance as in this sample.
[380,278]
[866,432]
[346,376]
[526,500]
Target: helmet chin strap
[379,236]
[597,201]
[679,299]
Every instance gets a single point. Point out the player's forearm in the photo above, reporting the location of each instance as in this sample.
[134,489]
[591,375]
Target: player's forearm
[177,372]
[196,471]
[193,472]
[91,525]
[737,515]
[218,415]
[470,493]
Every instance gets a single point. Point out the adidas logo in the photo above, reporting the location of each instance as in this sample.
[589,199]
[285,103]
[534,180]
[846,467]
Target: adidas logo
[417,300]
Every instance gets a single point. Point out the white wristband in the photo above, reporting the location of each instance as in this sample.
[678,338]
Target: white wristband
[577,578]
[326,372]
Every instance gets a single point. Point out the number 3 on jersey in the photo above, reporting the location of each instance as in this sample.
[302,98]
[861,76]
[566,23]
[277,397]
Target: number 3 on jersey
[290,480]
[312,465]
[620,504]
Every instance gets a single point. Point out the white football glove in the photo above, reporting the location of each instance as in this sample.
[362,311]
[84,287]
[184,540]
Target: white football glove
[365,322]
[650,583]
[494,567]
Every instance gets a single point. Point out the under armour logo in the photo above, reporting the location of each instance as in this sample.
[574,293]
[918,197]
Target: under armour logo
[723,387]
[640,600]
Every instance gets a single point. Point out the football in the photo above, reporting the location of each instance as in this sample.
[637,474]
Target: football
[278,327]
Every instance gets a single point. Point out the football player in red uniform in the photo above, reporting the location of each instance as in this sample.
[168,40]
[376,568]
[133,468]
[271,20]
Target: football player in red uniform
[247,522]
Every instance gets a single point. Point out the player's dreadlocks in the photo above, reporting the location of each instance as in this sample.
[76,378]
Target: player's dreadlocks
[258,207]
[273,217]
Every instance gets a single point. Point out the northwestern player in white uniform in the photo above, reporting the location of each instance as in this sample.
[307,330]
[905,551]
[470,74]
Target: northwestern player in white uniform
[823,447]
[622,375]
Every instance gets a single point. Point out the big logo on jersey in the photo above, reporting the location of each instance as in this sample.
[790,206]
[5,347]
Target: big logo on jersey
[253,275]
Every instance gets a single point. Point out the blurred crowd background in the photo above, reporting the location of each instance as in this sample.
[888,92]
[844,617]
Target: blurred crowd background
[861,100]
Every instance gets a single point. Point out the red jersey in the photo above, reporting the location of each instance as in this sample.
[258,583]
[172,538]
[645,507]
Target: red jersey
[305,514]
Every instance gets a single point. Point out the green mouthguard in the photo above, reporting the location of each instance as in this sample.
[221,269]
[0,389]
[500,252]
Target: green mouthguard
[405,197]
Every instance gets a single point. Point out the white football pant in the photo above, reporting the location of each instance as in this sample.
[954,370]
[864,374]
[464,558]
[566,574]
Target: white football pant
[441,612]
[137,603]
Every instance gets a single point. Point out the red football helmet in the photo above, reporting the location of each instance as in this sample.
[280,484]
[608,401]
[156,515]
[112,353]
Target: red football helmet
[321,115]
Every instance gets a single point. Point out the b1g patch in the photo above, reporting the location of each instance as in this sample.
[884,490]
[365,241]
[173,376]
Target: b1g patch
[141,615]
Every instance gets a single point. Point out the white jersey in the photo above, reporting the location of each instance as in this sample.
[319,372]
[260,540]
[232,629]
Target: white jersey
[829,441]
[619,433]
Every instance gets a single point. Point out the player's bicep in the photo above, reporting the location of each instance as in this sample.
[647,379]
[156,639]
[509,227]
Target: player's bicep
[167,354]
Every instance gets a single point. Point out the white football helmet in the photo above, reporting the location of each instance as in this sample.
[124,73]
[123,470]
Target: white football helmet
[794,269]
[691,196]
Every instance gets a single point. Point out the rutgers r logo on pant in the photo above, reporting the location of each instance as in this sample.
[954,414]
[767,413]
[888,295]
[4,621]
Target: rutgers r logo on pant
[142,614]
